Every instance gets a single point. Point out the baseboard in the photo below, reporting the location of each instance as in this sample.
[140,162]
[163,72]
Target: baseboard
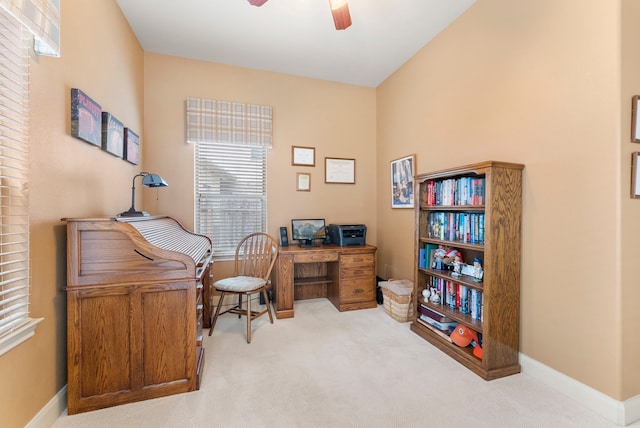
[55,408]
[620,413]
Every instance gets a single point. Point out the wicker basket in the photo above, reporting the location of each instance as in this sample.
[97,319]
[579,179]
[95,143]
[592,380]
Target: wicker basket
[398,299]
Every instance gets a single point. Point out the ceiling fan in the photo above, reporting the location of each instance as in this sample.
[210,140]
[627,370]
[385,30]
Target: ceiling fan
[339,10]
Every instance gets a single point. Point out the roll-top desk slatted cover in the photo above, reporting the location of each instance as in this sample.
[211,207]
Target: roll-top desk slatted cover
[116,250]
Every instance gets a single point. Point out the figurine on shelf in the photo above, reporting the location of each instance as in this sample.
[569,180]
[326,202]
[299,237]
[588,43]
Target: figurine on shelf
[457,265]
[425,294]
[450,255]
[438,258]
[477,269]
[434,296]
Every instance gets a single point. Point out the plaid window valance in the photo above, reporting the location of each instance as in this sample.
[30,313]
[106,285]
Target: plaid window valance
[228,122]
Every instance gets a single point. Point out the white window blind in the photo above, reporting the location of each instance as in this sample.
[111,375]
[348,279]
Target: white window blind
[14,180]
[231,143]
[231,200]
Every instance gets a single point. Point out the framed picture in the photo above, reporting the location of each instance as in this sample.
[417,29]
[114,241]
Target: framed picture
[131,146]
[303,182]
[339,170]
[86,118]
[402,182]
[635,119]
[303,156]
[112,135]
[635,175]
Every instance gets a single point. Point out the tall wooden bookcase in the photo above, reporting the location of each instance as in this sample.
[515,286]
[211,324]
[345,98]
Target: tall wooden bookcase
[475,209]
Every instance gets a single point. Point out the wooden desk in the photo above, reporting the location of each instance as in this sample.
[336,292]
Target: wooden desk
[344,275]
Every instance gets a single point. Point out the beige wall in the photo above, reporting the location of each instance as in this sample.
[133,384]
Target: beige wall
[338,120]
[69,178]
[540,83]
[535,83]
[630,296]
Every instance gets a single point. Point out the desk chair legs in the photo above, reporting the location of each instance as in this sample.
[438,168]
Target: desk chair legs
[251,315]
[254,258]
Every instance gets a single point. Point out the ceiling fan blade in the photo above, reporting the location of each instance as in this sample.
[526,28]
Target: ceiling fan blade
[257,2]
[340,12]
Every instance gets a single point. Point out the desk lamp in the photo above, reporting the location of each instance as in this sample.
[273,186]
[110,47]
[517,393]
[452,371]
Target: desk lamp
[149,180]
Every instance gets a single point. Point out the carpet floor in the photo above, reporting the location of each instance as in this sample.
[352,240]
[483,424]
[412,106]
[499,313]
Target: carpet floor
[325,368]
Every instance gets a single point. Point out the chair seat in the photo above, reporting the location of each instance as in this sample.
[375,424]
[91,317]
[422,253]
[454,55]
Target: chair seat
[239,284]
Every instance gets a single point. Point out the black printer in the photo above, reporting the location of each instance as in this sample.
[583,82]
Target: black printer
[348,234]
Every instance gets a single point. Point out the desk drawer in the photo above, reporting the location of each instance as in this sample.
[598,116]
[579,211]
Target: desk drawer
[316,257]
[357,290]
[357,265]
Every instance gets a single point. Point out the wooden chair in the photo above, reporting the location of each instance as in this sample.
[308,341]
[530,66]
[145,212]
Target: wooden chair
[255,256]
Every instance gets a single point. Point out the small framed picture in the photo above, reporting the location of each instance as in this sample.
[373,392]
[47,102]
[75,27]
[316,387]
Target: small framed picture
[86,118]
[635,175]
[635,119]
[112,135]
[402,182]
[303,182]
[131,146]
[303,156]
[339,170]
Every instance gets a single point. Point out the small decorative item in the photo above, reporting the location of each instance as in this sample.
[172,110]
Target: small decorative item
[434,297]
[457,265]
[112,135]
[402,182]
[303,182]
[131,146]
[337,170]
[467,269]
[425,294]
[303,156]
[477,270]
[86,118]
[635,175]
[635,119]
[438,258]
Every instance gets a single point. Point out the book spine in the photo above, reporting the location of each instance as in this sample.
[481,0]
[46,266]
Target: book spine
[442,326]
[442,334]
[474,304]
[464,299]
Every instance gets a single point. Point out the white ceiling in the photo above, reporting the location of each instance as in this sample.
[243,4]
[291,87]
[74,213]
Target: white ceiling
[295,37]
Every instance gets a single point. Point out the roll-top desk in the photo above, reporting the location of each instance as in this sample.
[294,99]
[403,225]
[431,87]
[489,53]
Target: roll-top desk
[137,289]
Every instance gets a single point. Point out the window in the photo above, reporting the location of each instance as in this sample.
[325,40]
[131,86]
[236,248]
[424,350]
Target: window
[231,143]
[231,199]
[15,324]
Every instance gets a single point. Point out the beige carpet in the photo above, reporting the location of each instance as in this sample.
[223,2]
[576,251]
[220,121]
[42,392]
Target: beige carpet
[326,368]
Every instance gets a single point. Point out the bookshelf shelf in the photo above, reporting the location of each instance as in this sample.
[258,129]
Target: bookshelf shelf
[475,210]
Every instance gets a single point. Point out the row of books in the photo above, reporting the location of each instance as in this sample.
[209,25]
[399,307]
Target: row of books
[456,296]
[425,256]
[456,191]
[460,227]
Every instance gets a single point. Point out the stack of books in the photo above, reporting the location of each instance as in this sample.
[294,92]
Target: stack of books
[436,320]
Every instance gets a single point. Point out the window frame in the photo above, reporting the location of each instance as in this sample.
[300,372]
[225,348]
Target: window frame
[16,325]
[236,211]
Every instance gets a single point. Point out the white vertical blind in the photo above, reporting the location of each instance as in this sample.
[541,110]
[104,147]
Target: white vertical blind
[14,176]
[231,140]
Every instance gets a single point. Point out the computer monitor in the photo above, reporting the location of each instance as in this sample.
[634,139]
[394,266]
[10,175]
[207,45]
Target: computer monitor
[305,231]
